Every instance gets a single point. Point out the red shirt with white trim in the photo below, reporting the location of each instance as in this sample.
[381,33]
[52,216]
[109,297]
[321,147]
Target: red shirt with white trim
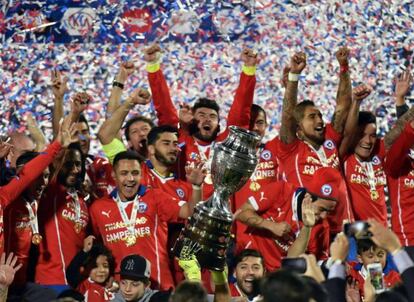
[31,171]
[61,241]
[94,292]
[366,202]
[266,172]
[399,167]
[299,161]
[155,208]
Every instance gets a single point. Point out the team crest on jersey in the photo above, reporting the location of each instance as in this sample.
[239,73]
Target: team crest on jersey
[193,156]
[326,190]
[180,192]
[375,160]
[328,144]
[142,208]
[266,154]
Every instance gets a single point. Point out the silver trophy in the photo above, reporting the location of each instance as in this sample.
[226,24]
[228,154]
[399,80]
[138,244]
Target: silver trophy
[233,163]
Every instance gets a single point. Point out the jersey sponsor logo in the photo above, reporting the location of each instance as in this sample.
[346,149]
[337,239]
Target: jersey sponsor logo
[375,160]
[142,207]
[144,231]
[180,193]
[266,154]
[326,190]
[328,144]
[106,213]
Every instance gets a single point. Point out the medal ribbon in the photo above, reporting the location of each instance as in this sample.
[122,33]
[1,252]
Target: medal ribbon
[76,205]
[206,159]
[369,172]
[129,222]
[320,154]
[259,151]
[34,225]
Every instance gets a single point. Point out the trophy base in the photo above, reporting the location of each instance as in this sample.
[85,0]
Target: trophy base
[211,232]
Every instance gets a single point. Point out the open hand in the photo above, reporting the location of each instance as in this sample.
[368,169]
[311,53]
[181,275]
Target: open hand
[196,174]
[8,269]
[308,211]
[403,84]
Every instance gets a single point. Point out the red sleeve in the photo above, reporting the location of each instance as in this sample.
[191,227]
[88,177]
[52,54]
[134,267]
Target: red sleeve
[31,171]
[333,135]
[239,114]
[168,207]
[166,112]
[397,155]
[93,219]
[265,199]
[286,150]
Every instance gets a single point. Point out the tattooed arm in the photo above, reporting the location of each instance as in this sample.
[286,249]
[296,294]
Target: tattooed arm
[344,94]
[288,128]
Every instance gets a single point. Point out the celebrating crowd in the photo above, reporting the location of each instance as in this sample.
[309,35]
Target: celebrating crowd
[311,223]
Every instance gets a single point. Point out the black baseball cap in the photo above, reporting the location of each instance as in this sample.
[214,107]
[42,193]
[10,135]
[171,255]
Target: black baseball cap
[135,267]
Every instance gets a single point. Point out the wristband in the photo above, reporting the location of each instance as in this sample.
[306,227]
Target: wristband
[293,77]
[344,68]
[117,84]
[196,187]
[153,66]
[249,70]
[219,278]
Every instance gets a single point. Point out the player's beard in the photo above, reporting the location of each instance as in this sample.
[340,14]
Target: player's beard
[164,160]
[195,131]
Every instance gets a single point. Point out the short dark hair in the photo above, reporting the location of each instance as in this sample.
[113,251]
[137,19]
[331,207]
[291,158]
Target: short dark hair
[299,111]
[284,285]
[128,154]
[156,132]
[248,253]
[364,245]
[254,112]
[82,119]
[188,291]
[96,251]
[26,157]
[206,103]
[365,118]
[135,119]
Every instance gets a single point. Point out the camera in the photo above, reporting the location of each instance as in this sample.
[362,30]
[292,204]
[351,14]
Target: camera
[358,230]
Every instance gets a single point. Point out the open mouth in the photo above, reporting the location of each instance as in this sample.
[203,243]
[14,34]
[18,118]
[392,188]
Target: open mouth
[320,129]
[206,128]
[366,147]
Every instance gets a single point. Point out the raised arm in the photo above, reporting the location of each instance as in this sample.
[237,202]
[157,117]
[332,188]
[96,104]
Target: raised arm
[126,69]
[402,86]
[110,128]
[35,132]
[344,94]
[288,127]
[59,88]
[166,111]
[351,126]
[239,114]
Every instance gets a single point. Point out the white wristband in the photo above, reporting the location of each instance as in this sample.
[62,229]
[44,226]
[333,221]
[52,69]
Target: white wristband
[293,77]
[196,187]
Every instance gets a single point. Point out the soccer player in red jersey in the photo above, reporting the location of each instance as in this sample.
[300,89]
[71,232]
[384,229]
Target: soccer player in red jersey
[362,156]
[63,218]
[202,133]
[267,170]
[275,213]
[307,144]
[128,220]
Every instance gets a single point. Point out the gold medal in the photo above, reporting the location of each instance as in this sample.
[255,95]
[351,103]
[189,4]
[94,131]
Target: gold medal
[78,227]
[36,238]
[208,180]
[254,186]
[374,195]
[130,240]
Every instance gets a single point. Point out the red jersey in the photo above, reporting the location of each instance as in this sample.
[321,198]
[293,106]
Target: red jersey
[274,202]
[399,167]
[63,219]
[359,273]
[31,171]
[299,161]
[366,183]
[154,208]
[194,151]
[94,292]
[99,171]
[266,171]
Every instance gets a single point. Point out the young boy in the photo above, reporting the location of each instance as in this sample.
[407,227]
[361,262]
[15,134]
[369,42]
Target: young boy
[135,283]
[369,253]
